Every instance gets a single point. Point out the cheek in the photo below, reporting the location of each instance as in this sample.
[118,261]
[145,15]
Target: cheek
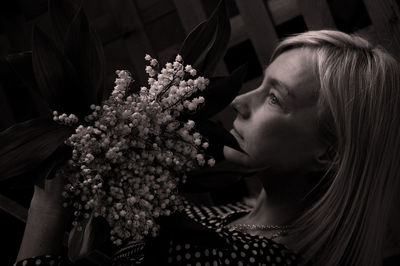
[264,134]
[277,141]
[262,141]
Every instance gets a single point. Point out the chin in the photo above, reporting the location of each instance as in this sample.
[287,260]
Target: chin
[235,156]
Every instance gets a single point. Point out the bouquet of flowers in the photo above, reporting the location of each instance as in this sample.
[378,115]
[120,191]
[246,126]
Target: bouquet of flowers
[127,155]
[132,152]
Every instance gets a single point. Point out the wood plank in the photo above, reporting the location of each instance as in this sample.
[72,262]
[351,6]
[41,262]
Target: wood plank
[146,4]
[283,10]
[191,13]
[369,34]
[137,43]
[107,29]
[238,33]
[316,14]
[385,16]
[158,10]
[260,28]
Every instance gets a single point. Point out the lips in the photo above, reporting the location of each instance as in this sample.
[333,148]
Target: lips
[236,134]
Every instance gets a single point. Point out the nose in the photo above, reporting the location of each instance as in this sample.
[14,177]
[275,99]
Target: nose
[241,106]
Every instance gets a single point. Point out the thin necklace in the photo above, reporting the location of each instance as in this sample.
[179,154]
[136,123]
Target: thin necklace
[282,229]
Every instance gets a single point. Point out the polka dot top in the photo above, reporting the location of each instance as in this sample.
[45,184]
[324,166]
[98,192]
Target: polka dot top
[204,239]
[199,236]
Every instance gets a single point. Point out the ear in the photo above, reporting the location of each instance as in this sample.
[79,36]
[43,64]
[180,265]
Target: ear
[324,158]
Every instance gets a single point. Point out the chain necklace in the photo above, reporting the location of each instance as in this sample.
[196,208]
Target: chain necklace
[282,229]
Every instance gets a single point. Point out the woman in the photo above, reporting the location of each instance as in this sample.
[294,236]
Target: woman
[322,132]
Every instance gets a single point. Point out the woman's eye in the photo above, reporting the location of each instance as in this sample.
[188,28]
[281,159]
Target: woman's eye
[272,99]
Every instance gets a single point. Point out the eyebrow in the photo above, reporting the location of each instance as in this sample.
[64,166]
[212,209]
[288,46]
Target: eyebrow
[281,87]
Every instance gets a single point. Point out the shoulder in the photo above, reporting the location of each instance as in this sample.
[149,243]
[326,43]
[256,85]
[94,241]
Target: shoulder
[202,212]
[239,246]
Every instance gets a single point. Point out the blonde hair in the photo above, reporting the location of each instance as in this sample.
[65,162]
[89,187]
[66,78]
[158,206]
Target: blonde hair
[359,103]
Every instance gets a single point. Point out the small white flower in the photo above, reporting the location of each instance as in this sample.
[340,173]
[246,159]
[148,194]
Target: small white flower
[178,58]
[153,62]
[193,72]
[188,68]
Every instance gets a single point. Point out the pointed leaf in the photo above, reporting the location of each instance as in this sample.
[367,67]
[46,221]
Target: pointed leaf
[221,42]
[21,67]
[24,146]
[61,14]
[220,93]
[218,137]
[200,40]
[56,78]
[85,51]
[99,74]
[58,158]
[21,63]
[82,243]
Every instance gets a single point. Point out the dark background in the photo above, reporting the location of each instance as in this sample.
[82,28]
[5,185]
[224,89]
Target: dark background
[131,28]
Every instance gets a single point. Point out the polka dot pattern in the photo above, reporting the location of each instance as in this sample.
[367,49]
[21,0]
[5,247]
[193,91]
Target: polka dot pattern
[235,248]
[40,260]
[240,249]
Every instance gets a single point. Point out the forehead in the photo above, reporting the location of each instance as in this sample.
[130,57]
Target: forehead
[295,69]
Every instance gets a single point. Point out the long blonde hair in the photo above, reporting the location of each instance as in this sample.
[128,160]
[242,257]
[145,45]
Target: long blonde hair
[359,103]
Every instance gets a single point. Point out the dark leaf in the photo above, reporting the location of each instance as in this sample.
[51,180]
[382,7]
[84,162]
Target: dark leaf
[59,157]
[218,137]
[21,63]
[85,51]
[220,93]
[218,49]
[22,73]
[82,243]
[24,146]
[61,14]
[56,78]
[200,40]
[99,74]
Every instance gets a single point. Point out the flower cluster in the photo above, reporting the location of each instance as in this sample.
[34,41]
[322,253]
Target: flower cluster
[131,153]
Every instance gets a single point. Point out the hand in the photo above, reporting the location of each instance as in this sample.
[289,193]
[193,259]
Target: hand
[47,220]
[48,197]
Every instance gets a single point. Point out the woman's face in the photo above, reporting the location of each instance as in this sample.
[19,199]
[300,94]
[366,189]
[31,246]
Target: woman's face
[276,124]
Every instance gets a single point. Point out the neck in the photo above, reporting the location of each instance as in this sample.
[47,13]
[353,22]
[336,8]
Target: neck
[280,201]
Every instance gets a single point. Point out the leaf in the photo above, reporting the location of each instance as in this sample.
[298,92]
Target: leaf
[220,93]
[59,157]
[56,78]
[221,42]
[61,14]
[218,137]
[24,146]
[21,67]
[21,64]
[200,40]
[81,243]
[85,51]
